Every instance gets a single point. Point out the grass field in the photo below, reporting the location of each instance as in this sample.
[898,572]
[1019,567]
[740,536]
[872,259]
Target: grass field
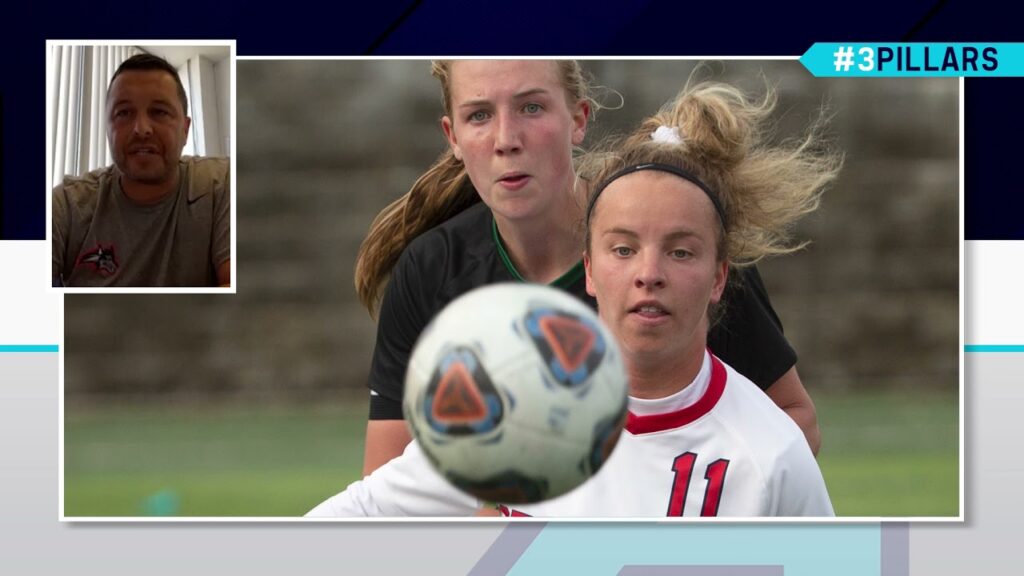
[884,454]
[891,454]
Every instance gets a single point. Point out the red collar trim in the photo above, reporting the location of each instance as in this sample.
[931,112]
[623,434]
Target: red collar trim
[659,422]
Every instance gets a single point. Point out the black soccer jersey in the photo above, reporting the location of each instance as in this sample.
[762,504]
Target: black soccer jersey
[466,252]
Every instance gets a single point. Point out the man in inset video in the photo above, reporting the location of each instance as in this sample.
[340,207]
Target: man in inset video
[154,218]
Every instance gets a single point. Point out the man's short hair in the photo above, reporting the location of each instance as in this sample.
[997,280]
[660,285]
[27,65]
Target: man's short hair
[151,62]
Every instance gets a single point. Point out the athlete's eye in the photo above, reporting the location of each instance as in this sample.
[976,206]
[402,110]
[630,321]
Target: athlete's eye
[479,116]
[532,108]
[622,251]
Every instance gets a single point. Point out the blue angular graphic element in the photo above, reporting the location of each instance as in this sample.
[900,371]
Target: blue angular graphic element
[912,59]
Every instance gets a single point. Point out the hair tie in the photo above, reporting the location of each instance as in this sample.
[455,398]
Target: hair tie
[667,135]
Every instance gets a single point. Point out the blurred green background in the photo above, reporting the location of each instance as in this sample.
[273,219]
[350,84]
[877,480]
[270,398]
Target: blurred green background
[283,460]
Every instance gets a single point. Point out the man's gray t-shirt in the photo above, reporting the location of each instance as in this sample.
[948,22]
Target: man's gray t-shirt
[102,238]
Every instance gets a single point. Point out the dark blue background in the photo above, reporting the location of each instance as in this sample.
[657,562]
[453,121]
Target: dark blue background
[993,124]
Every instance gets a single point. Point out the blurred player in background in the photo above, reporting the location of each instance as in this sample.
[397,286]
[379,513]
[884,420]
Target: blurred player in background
[692,192]
[505,204]
[153,218]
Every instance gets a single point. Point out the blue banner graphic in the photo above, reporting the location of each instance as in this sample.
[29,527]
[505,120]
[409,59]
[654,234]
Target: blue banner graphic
[851,59]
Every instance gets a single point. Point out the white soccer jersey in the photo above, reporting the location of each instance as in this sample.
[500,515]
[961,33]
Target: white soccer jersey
[731,452]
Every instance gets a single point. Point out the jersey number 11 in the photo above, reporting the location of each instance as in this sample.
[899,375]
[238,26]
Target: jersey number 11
[714,474]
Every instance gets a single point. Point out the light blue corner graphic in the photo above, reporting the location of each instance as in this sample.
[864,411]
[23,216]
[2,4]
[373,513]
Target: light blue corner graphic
[28,348]
[803,550]
[912,59]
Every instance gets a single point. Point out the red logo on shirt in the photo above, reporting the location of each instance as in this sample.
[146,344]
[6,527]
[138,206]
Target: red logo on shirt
[102,259]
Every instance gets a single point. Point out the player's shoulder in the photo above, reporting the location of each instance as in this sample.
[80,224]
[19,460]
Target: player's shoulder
[753,415]
[772,441]
[458,242]
[82,191]
[211,166]
[450,259]
[205,175]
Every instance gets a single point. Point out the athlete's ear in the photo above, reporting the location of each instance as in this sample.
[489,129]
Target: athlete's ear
[187,127]
[579,120]
[721,276]
[590,281]
[449,134]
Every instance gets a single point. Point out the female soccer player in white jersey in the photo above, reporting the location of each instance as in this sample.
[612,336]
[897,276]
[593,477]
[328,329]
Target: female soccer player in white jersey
[694,191]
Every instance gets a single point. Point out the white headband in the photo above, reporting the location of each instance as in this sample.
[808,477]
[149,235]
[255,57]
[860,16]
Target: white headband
[667,135]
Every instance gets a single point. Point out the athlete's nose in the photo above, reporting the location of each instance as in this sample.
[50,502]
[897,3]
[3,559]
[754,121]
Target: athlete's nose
[507,134]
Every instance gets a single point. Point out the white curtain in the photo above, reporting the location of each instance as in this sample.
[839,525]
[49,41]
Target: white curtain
[190,143]
[198,76]
[78,93]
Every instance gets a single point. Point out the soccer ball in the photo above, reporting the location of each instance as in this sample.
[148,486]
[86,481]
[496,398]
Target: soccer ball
[516,393]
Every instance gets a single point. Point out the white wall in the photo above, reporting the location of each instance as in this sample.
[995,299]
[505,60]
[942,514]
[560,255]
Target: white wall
[222,74]
[206,118]
[190,142]
[209,95]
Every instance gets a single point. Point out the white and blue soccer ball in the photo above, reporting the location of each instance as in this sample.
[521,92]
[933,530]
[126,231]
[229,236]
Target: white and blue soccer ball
[516,393]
